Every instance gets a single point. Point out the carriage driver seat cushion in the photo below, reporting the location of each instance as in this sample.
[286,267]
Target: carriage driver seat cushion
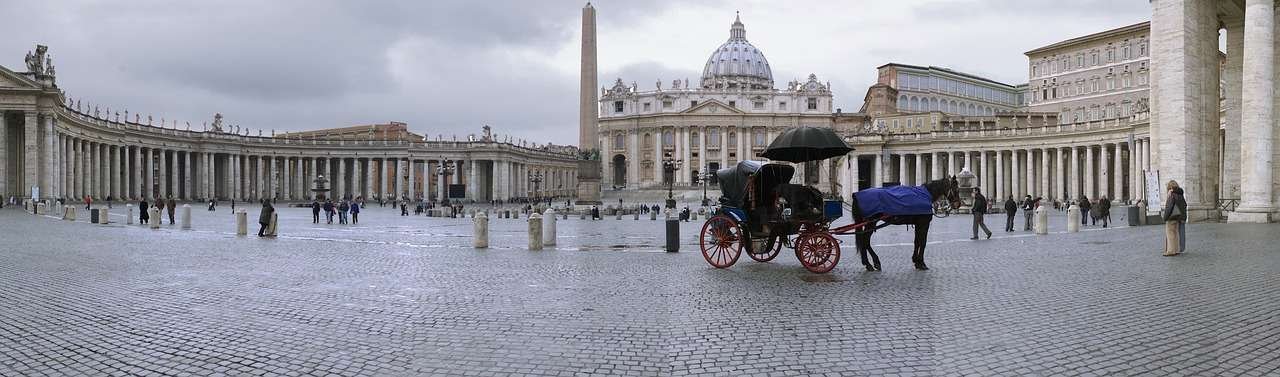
[805,202]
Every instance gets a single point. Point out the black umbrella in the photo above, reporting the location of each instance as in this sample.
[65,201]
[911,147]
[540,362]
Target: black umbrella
[803,144]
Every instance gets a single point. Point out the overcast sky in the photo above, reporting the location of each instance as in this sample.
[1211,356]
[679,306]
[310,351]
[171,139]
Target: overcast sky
[450,67]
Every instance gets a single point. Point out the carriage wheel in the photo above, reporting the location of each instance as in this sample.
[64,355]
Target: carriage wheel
[764,249]
[818,251]
[721,241]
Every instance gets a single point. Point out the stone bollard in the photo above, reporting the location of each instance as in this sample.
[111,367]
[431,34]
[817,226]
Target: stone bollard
[104,216]
[653,215]
[693,216]
[41,209]
[673,232]
[1042,221]
[154,214]
[549,227]
[271,230]
[535,232]
[582,215]
[69,213]
[636,216]
[186,216]
[129,216]
[1073,219]
[242,222]
[481,231]
[619,216]
[515,214]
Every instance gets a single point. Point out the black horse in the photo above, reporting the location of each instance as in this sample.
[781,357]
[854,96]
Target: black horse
[946,187]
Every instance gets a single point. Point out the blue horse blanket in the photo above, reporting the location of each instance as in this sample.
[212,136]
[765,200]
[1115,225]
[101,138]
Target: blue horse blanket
[895,201]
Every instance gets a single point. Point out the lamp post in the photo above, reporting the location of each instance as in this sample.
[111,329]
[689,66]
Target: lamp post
[706,177]
[669,166]
[535,178]
[446,169]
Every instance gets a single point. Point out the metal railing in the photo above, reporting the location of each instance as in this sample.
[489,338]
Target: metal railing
[1228,205]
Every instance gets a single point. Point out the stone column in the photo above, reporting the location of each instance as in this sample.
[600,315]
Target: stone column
[878,170]
[186,175]
[853,176]
[1044,174]
[413,193]
[1060,190]
[31,159]
[1117,173]
[441,181]
[46,161]
[1233,75]
[164,174]
[935,165]
[919,169]
[657,157]
[999,192]
[1258,118]
[311,178]
[114,172]
[902,170]
[1077,182]
[1090,173]
[1185,93]
[135,175]
[1015,174]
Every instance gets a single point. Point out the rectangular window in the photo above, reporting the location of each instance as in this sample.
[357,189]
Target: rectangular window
[693,103]
[617,106]
[646,106]
[713,138]
[813,103]
[666,104]
[733,104]
[758,105]
[782,105]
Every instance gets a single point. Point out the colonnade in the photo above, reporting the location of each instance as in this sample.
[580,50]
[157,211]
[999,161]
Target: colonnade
[696,146]
[73,156]
[1103,169]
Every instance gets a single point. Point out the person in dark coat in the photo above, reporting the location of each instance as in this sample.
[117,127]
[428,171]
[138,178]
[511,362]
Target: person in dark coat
[355,212]
[979,209]
[144,210]
[1104,210]
[315,211]
[1175,220]
[264,218]
[595,212]
[170,207]
[1085,205]
[1010,210]
[1028,208]
[328,211]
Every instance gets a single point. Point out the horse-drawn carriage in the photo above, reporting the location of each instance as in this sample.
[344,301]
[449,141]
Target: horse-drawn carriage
[761,211]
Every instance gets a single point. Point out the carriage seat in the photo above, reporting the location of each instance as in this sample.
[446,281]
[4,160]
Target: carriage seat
[805,202]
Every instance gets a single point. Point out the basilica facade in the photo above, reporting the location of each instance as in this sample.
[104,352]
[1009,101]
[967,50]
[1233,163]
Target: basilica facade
[730,114]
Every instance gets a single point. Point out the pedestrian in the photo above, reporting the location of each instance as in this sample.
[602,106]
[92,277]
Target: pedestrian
[595,212]
[170,207]
[1104,210]
[143,212]
[355,212]
[343,207]
[1028,207]
[315,211]
[88,202]
[212,204]
[1085,205]
[979,209]
[1010,210]
[1175,220]
[404,209]
[328,211]
[264,218]
[109,200]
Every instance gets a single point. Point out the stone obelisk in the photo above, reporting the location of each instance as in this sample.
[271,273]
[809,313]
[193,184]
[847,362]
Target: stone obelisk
[589,173]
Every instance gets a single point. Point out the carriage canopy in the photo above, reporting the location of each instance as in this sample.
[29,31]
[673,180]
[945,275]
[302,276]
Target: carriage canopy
[733,180]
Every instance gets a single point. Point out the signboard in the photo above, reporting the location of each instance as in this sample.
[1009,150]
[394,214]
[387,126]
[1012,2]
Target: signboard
[457,191]
[1153,189]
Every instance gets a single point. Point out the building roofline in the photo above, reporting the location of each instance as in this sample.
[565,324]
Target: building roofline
[1092,37]
[947,70]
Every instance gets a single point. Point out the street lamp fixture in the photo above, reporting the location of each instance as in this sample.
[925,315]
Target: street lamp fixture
[535,178]
[446,169]
[669,166]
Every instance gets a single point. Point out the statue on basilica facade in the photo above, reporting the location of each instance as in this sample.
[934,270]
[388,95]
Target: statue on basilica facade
[217,123]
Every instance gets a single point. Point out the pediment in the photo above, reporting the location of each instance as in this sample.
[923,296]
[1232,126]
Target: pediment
[713,107]
[11,79]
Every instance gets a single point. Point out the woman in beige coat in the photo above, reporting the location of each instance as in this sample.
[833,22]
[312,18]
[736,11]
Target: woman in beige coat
[1175,220]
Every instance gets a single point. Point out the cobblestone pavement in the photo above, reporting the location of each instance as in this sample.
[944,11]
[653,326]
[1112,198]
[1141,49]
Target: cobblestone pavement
[407,296]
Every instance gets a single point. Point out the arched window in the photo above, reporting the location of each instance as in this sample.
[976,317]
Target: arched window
[619,141]
[648,140]
[713,138]
[668,139]
[915,103]
[733,139]
[902,102]
[933,104]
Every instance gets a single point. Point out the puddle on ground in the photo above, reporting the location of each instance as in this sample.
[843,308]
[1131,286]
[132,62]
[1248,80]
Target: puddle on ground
[824,278]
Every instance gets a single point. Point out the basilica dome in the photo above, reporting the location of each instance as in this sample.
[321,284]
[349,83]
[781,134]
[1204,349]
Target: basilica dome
[737,64]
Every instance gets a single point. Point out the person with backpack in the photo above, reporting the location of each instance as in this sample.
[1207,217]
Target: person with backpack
[343,207]
[355,212]
[315,211]
[1028,208]
[1085,206]
[1175,220]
